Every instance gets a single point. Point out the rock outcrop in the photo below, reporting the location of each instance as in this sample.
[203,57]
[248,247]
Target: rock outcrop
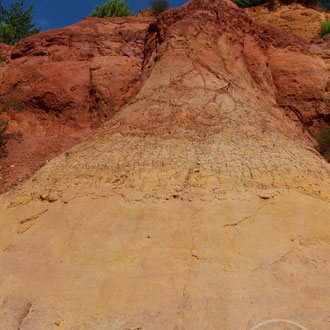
[200,204]
[294,17]
[305,22]
[70,81]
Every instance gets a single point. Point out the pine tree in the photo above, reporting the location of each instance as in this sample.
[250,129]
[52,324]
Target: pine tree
[16,22]
[7,33]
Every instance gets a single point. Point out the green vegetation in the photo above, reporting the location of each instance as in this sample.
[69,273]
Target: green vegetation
[325,28]
[112,8]
[7,34]
[323,140]
[158,6]
[16,23]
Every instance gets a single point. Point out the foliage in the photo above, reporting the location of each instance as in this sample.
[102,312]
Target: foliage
[16,22]
[112,8]
[323,140]
[7,33]
[158,6]
[325,28]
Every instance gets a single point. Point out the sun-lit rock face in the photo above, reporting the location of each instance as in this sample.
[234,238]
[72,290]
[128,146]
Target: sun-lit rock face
[70,80]
[294,17]
[200,204]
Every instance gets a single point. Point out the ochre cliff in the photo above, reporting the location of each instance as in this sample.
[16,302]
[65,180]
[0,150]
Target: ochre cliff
[70,81]
[200,204]
[294,17]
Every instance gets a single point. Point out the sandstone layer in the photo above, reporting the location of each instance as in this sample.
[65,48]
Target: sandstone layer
[201,204]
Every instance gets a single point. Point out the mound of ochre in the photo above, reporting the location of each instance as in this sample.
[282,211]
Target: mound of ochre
[199,204]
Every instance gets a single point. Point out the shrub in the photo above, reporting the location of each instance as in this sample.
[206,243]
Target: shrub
[325,28]
[323,140]
[112,8]
[158,6]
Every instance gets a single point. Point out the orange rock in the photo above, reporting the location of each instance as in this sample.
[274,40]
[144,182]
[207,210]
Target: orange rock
[72,79]
[198,205]
[305,22]
[75,78]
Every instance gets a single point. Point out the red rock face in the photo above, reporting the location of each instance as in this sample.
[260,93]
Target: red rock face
[302,81]
[264,65]
[71,79]
[75,78]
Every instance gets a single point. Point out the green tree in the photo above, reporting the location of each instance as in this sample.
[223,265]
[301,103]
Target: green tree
[112,8]
[16,22]
[7,33]
[158,6]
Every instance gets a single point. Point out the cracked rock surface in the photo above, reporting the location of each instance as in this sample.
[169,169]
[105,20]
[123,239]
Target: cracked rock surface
[201,204]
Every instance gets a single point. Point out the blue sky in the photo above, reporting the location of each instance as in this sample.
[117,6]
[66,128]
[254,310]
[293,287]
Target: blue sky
[50,14]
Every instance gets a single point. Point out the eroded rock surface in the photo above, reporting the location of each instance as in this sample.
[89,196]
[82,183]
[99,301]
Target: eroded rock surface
[294,17]
[70,81]
[201,204]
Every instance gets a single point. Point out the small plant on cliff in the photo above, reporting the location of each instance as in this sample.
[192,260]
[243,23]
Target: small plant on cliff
[16,22]
[323,140]
[158,6]
[325,28]
[112,8]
